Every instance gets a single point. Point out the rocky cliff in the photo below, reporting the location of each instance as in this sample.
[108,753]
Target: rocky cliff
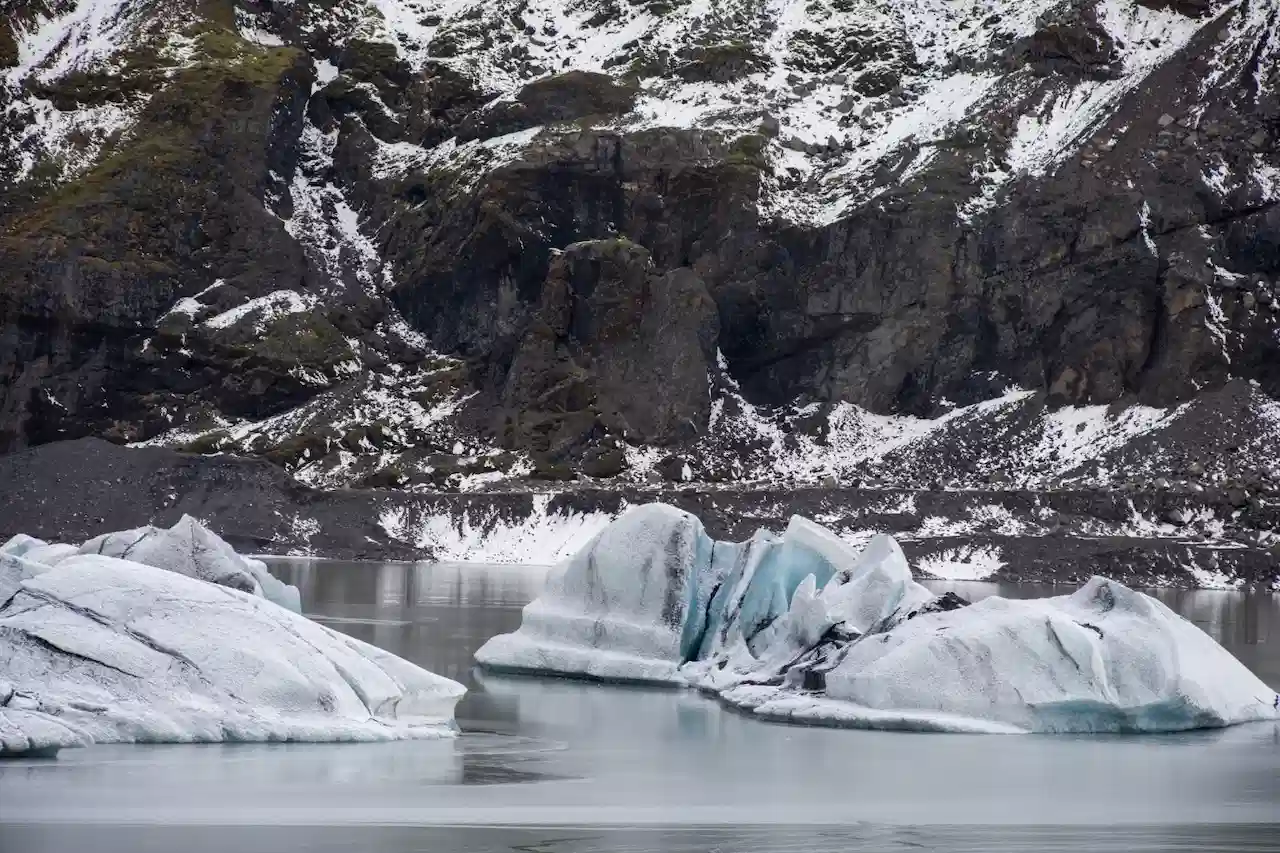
[442,245]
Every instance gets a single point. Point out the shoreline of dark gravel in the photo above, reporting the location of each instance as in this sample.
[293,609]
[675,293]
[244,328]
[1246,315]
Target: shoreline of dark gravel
[71,491]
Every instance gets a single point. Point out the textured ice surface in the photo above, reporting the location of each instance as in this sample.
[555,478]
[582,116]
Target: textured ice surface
[191,549]
[100,649]
[802,628]
[618,609]
[20,545]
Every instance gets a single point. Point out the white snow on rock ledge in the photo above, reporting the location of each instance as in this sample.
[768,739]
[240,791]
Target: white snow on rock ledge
[801,628]
[97,649]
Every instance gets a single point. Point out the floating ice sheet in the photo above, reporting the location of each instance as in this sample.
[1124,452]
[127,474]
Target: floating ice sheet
[803,628]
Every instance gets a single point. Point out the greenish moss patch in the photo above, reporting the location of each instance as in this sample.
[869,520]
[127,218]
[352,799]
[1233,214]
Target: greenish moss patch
[308,340]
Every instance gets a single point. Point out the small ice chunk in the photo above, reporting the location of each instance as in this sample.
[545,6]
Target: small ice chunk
[21,544]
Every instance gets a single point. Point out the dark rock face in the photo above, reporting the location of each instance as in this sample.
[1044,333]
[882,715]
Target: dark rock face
[561,98]
[476,284]
[604,462]
[1190,8]
[8,46]
[1068,40]
[614,349]
[590,275]
[91,267]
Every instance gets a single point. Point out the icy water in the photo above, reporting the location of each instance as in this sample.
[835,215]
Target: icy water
[553,766]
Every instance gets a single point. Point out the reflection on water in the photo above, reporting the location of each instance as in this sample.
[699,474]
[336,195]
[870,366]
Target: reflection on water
[612,768]
[438,614]
[434,614]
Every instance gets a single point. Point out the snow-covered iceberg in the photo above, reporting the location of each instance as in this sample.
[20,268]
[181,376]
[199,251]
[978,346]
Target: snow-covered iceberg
[191,549]
[101,649]
[619,608]
[802,628]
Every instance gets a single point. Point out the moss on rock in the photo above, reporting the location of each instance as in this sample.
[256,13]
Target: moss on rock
[210,442]
[307,340]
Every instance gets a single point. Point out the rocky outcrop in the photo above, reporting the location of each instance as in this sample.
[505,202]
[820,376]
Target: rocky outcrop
[560,98]
[730,215]
[614,349]
[1068,40]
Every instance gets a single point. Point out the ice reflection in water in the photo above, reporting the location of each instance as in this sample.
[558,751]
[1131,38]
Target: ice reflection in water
[594,759]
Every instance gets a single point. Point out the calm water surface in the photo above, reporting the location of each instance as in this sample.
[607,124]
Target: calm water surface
[565,767]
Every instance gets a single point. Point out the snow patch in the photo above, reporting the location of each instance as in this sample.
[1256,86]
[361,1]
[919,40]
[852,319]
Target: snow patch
[484,536]
[87,32]
[963,563]
[263,309]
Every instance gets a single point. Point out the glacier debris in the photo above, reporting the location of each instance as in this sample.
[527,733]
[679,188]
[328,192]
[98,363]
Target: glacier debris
[802,628]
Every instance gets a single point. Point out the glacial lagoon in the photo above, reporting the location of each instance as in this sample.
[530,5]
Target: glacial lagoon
[565,767]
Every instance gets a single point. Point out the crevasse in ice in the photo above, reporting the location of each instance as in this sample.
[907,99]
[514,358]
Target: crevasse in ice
[800,627]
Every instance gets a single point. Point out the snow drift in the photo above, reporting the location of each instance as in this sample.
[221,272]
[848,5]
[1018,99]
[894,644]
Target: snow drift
[96,648]
[802,628]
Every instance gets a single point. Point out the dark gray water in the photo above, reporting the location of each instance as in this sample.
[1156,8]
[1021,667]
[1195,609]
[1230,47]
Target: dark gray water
[564,767]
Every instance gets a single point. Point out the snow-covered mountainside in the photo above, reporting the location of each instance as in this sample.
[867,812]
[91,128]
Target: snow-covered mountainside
[451,245]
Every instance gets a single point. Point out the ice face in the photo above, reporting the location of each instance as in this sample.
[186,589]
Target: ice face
[190,549]
[802,627]
[19,545]
[99,649]
[878,586]
[626,607]
[272,588]
[13,571]
[653,591]
[50,555]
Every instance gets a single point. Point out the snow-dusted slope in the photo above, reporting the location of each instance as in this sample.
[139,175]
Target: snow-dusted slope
[985,243]
[844,87]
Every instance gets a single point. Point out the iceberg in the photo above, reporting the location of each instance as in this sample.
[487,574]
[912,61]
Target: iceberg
[618,609]
[189,548]
[802,628]
[100,649]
